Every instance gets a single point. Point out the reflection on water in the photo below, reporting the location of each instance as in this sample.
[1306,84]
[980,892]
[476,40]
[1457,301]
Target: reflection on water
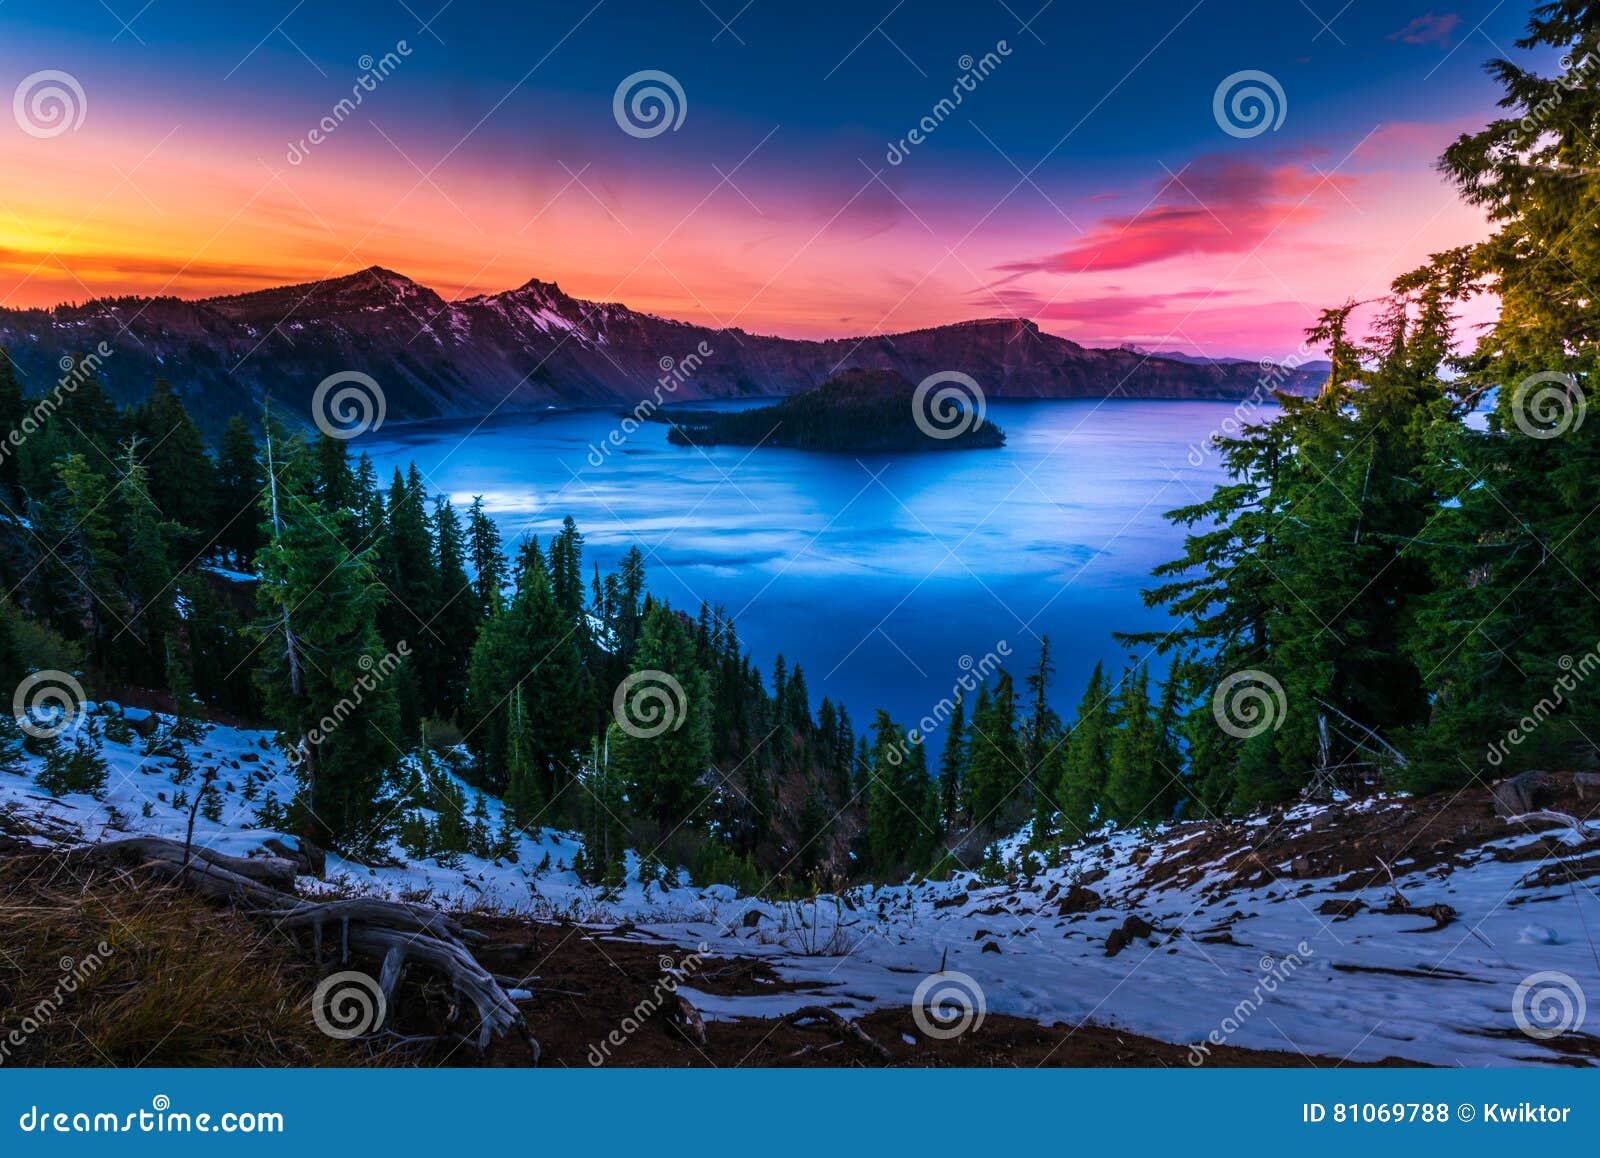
[877,573]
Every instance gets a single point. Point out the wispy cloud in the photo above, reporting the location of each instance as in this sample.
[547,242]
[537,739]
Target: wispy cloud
[1216,205]
[1429,29]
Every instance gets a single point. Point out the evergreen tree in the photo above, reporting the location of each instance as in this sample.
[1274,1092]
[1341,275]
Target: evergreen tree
[320,606]
[458,618]
[995,773]
[952,766]
[662,764]
[1086,755]
[181,478]
[236,524]
[488,567]
[1138,787]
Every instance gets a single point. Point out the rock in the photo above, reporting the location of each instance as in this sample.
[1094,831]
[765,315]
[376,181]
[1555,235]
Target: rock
[249,757]
[1117,942]
[1336,908]
[146,726]
[1137,928]
[981,934]
[1586,782]
[753,918]
[1300,867]
[1518,794]
[1079,900]
[990,947]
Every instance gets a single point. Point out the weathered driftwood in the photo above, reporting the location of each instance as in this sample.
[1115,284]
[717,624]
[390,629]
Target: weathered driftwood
[688,1020]
[213,874]
[1582,830]
[842,1024]
[393,932]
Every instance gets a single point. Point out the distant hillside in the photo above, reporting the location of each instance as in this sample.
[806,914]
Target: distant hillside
[858,410]
[535,347]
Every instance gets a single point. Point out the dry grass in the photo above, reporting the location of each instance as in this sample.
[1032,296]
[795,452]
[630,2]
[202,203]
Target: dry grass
[100,968]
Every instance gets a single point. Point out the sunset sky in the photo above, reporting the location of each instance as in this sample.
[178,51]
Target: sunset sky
[1085,182]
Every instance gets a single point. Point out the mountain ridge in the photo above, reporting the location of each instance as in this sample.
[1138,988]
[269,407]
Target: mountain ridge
[535,347]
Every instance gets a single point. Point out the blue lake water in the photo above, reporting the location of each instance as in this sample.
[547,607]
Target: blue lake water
[885,576]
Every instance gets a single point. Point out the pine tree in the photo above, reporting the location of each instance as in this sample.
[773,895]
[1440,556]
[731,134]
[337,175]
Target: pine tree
[902,807]
[663,765]
[319,605]
[952,766]
[1086,756]
[411,583]
[995,772]
[488,566]
[458,618]
[1138,788]
[12,410]
[527,645]
[182,480]
[89,554]
[1514,553]
[149,616]
[236,523]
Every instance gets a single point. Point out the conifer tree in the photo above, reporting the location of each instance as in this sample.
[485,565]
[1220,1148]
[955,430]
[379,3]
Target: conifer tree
[995,761]
[952,766]
[181,478]
[1087,755]
[662,770]
[320,606]
[236,523]
[488,566]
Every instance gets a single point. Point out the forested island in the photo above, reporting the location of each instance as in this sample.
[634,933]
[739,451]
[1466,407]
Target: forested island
[857,410]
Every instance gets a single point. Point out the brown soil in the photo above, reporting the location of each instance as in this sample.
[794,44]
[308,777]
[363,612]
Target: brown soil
[589,983]
[1351,844]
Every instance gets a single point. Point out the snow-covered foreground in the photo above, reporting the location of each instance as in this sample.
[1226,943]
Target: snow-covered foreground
[1265,967]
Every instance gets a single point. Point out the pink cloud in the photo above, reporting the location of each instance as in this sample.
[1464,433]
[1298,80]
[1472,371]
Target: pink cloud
[1215,205]
[1428,29]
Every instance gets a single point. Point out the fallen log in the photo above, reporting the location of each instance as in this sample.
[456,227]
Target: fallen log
[394,932]
[843,1024]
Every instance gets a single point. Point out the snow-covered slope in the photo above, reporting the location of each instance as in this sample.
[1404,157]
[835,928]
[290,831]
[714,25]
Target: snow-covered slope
[1241,942]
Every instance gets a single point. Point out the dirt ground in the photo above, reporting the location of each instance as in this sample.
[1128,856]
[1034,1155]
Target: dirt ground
[590,983]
